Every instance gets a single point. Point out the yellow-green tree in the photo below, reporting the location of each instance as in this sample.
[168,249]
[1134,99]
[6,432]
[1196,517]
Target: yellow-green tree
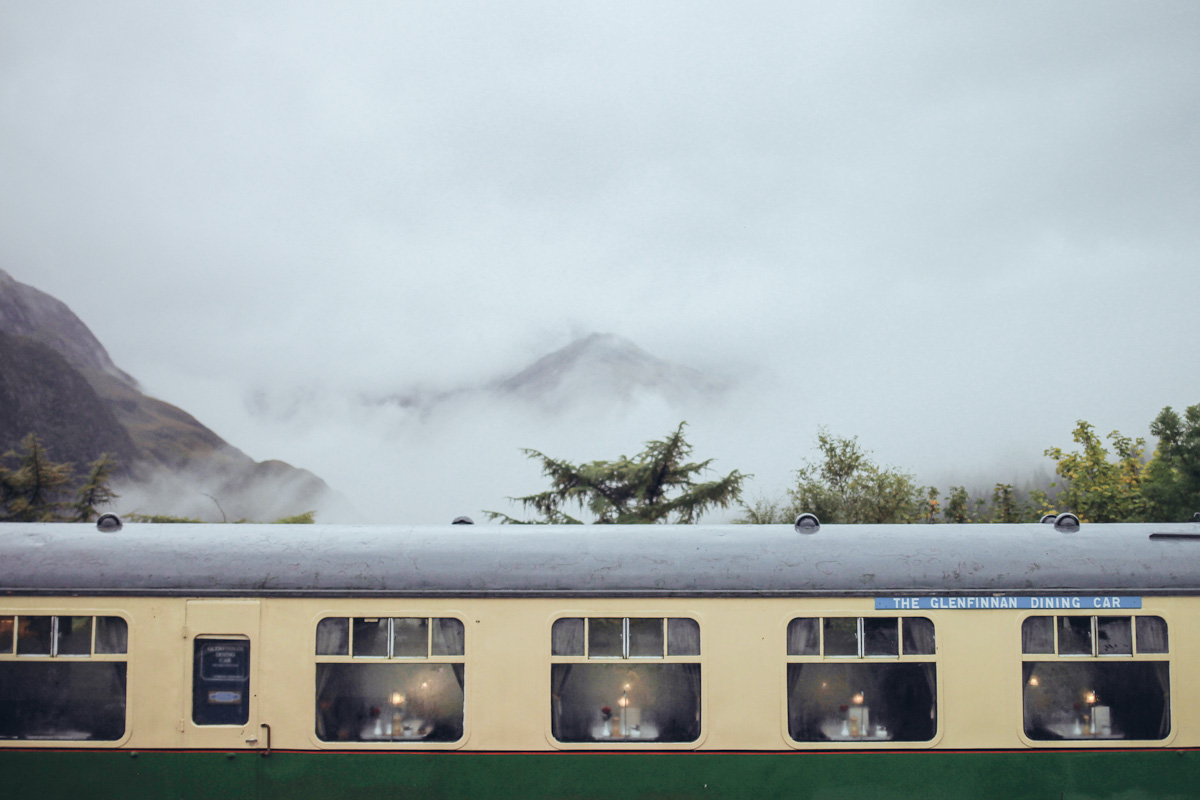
[847,486]
[1097,489]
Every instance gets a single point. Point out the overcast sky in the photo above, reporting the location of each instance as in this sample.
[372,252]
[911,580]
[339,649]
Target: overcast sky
[950,228]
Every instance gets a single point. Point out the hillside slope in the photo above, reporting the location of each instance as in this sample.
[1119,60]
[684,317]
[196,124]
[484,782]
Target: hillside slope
[58,381]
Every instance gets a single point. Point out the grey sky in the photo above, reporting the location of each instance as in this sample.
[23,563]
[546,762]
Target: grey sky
[950,228]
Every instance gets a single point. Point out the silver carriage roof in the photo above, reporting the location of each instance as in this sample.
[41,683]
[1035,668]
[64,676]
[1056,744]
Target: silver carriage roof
[580,561]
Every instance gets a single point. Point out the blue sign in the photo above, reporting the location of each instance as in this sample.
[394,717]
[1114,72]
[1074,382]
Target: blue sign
[981,603]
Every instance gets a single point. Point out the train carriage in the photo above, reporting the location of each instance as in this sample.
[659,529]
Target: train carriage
[264,661]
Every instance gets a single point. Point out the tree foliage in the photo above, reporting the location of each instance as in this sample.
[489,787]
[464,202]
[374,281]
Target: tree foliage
[846,486]
[659,484]
[765,511]
[1097,489]
[958,505]
[1171,486]
[95,491]
[35,488]
[1005,506]
[303,518]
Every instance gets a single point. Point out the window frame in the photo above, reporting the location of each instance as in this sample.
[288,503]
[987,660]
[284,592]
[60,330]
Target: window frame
[550,660]
[126,658]
[820,615]
[350,658]
[1096,657]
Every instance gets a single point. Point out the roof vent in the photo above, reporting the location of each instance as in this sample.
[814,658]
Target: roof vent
[1196,517]
[109,523]
[1066,523]
[463,521]
[1048,519]
[807,523]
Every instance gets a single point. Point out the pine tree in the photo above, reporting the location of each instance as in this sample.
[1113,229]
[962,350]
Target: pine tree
[95,491]
[656,485]
[31,491]
[1005,507]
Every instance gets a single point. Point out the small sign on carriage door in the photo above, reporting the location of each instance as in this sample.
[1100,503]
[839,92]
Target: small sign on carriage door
[222,707]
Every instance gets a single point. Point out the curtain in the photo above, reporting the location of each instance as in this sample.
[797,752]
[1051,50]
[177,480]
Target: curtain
[323,673]
[559,674]
[460,671]
[1162,674]
[930,671]
[795,702]
[692,672]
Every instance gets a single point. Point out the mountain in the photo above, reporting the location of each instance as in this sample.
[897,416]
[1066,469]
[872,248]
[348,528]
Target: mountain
[58,381]
[598,368]
[40,391]
[610,368]
[25,311]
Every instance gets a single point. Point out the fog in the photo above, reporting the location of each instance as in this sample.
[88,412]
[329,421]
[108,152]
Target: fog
[949,230]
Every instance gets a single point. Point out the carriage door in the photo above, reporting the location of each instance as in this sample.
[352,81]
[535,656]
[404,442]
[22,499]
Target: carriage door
[221,704]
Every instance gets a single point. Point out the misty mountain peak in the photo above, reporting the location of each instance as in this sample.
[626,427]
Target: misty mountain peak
[598,347]
[608,367]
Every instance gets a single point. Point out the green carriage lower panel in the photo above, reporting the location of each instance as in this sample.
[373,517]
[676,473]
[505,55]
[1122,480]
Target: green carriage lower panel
[110,774]
[1074,775]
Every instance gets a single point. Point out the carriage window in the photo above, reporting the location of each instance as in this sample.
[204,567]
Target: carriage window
[856,679]
[35,635]
[333,637]
[918,636]
[221,680]
[1075,636]
[683,637]
[112,636]
[1114,636]
[566,637]
[1037,635]
[371,637]
[63,677]
[1151,635]
[390,679]
[648,692]
[1094,682]
[606,638]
